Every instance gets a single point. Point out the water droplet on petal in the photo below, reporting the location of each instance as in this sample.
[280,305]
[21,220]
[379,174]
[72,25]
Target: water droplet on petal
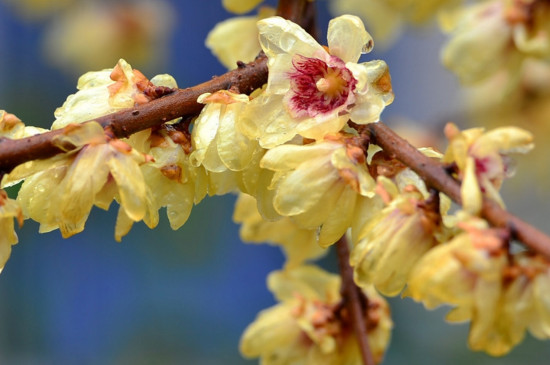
[367,47]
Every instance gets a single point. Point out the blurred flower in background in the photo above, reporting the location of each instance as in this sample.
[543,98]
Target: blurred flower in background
[38,9]
[80,36]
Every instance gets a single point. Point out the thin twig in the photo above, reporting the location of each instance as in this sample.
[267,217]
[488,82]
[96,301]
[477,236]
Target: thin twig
[293,10]
[181,103]
[351,294]
[435,176]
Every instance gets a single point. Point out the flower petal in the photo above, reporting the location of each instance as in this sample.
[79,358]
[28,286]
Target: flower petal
[348,39]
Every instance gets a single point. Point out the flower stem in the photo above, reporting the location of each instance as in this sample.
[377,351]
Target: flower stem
[436,176]
[352,297]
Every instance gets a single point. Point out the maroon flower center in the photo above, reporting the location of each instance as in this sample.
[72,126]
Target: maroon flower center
[318,87]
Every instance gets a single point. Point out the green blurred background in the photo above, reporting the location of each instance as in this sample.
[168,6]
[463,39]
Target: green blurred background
[184,297]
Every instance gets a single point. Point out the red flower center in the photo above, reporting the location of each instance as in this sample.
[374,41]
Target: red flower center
[318,87]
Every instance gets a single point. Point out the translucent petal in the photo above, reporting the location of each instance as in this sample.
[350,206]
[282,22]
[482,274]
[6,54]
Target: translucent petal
[233,40]
[318,214]
[123,224]
[291,156]
[131,185]
[304,187]
[240,6]
[503,140]
[273,329]
[235,149]
[308,281]
[84,179]
[347,38]
[280,36]
[340,217]
[470,191]
[7,239]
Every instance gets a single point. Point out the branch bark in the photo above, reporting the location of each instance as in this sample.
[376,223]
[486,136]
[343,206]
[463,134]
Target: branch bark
[181,103]
[352,299]
[246,78]
[435,176]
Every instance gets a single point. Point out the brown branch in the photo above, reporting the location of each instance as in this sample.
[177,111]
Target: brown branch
[293,10]
[181,103]
[351,294]
[435,176]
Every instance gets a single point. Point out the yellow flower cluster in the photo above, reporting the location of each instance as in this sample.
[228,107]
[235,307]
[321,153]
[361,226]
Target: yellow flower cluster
[501,294]
[298,153]
[310,325]
[148,171]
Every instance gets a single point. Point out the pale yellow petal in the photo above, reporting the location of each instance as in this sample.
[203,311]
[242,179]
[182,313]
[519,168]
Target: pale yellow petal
[240,6]
[470,192]
[131,185]
[280,36]
[348,39]
[233,40]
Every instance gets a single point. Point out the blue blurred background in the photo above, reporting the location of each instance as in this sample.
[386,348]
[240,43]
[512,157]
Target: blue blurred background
[185,297]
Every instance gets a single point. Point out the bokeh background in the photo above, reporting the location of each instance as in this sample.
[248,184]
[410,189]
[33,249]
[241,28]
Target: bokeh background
[184,297]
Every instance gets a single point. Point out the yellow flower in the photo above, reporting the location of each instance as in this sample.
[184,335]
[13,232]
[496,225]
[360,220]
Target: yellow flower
[310,324]
[60,192]
[470,274]
[10,126]
[495,35]
[385,18]
[103,92]
[318,184]
[175,183]
[528,294]
[298,244]
[9,210]
[217,141]
[236,39]
[482,160]
[390,243]
[240,6]
[135,30]
[13,128]
[492,104]
[319,90]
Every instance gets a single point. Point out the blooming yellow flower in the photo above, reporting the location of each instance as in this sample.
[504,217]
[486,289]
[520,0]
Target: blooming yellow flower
[318,184]
[319,90]
[101,93]
[10,126]
[468,274]
[298,244]
[390,244]
[135,30]
[310,324]
[495,35]
[482,160]
[60,192]
[175,183]
[492,104]
[217,141]
[236,39]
